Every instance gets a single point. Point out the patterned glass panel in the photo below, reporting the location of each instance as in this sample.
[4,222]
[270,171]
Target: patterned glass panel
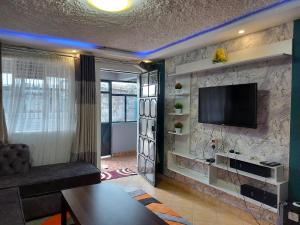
[153,83]
[143,127]
[150,170]
[144,79]
[153,78]
[153,108]
[152,150]
[145,91]
[141,145]
[151,129]
[146,147]
[147,107]
[144,85]
[142,165]
[141,107]
[152,90]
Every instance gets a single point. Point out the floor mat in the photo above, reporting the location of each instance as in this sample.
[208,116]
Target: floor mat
[165,213]
[110,175]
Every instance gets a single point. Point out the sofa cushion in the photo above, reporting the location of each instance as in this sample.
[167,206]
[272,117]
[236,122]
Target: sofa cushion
[11,212]
[14,159]
[52,178]
[41,206]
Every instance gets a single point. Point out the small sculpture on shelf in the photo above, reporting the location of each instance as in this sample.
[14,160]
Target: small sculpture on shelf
[178,87]
[178,127]
[220,56]
[178,108]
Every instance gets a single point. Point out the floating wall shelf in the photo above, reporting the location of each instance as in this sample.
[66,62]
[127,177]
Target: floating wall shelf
[178,114]
[179,134]
[246,56]
[180,94]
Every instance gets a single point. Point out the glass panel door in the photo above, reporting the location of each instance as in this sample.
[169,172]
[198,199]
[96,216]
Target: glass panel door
[147,125]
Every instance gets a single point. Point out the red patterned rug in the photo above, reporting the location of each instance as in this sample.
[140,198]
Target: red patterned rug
[109,175]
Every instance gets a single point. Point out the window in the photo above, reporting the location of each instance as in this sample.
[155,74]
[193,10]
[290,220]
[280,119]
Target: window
[118,109]
[104,87]
[35,92]
[39,104]
[131,108]
[124,88]
[105,102]
[123,97]
[104,107]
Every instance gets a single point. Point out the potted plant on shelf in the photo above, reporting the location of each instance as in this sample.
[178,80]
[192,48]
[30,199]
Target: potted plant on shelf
[178,108]
[178,127]
[178,88]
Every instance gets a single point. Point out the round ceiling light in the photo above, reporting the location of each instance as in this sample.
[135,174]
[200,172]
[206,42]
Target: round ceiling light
[111,5]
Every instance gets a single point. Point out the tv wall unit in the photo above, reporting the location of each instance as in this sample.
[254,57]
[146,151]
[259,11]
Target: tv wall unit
[182,146]
[211,178]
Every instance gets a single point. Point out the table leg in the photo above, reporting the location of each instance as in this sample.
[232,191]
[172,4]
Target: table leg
[63,211]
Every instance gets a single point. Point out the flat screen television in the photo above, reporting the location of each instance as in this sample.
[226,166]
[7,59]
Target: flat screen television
[232,105]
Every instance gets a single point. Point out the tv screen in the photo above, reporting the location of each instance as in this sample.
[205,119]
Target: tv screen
[232,105]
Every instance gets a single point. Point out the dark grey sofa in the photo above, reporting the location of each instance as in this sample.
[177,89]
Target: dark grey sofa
[38,187]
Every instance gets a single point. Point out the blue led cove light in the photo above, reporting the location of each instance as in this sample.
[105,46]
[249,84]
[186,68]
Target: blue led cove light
[144,54]
[48,39]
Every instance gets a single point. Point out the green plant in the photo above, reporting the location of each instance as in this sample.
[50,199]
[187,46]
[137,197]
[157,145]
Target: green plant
[178,106]
[178,86]
[178,125]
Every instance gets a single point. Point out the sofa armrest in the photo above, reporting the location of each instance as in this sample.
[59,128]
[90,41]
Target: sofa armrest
[14,158]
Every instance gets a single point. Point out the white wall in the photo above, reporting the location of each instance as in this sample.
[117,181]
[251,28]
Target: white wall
[124,137]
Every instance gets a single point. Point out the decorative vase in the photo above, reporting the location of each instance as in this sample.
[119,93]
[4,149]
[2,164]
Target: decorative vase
[220,56]
[178,111]
[178,130]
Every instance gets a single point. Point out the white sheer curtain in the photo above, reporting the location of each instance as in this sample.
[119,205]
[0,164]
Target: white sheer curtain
[39,104]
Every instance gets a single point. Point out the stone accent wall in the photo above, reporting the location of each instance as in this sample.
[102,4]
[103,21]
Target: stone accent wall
[270,141]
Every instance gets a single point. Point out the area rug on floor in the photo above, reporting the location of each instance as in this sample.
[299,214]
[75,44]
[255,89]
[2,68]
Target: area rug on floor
[165,213]
[109,175]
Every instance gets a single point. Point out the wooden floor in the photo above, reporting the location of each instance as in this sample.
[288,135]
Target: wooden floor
[199,209]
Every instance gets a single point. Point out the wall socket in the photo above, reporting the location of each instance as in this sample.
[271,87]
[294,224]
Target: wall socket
[293,216]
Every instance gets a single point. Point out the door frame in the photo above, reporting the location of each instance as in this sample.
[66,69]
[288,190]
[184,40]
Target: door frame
[109,114]
[110,94]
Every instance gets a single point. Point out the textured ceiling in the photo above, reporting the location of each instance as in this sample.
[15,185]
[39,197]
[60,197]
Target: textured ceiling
[149,24]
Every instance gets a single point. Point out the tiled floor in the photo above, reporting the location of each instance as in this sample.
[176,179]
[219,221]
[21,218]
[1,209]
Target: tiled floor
[199,209]
[119,162]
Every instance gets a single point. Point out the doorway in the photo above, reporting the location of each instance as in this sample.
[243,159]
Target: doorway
[119,113]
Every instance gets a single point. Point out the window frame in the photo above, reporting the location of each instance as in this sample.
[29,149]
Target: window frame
[125,96]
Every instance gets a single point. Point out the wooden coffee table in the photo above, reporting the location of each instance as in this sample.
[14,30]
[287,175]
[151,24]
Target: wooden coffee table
[105,204]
